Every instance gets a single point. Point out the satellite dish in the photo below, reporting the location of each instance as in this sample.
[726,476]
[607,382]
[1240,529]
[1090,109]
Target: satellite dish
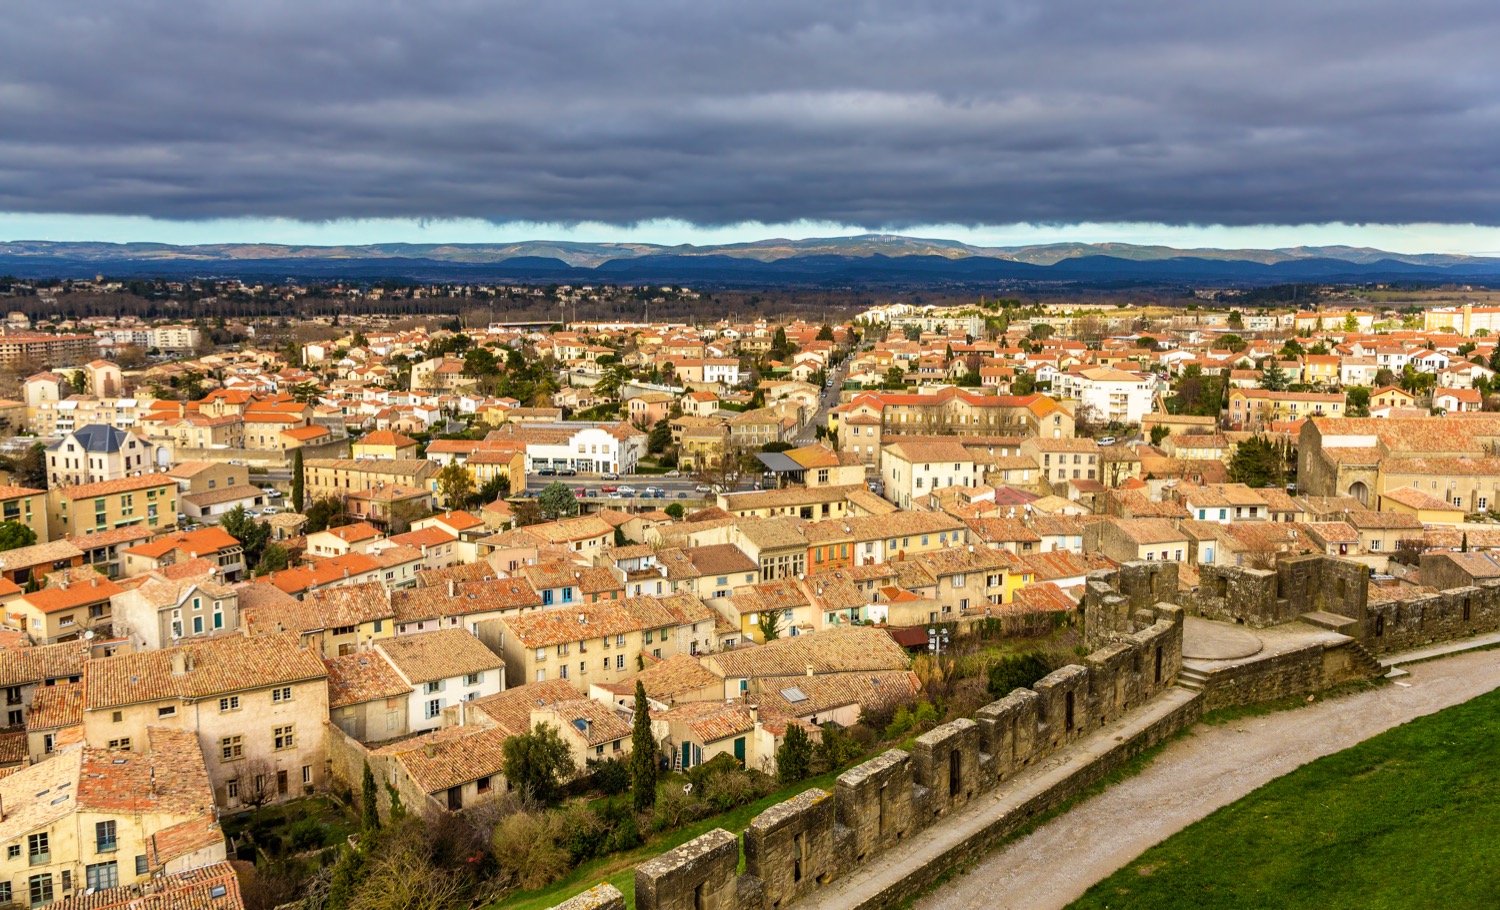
[89,635]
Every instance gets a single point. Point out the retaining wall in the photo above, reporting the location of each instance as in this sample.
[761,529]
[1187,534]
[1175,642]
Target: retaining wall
[800,846]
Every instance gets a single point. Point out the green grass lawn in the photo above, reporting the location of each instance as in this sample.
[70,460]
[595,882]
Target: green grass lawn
[1404,821]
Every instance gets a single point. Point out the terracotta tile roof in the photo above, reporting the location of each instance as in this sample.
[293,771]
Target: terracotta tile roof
[709,721]
[459,520]
[1045,597]
[386,438]
[362,676]
[111,538]
[584,527]
[122,485]
[427,537]
[416,605]
[202,541]
[598,723]
[809,695]
[37,796]
[182,839]
[228,494]
[55,706]
[444,654]
[510,711]
[355,533]
[231,663]
[330,608]
[214,887]
[24,666]
[322,572]
[545,628]
[1060,564]
[1384,521]
[169,778]
[72,588]
[39,554]
[1003,530]
[450,756]
[1418,499]
[857,648]
[720,559]
[665,680]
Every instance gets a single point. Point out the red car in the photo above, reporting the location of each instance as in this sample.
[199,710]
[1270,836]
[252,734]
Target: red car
[609,489]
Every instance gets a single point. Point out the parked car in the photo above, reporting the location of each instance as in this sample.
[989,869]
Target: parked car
[682,496]
[610,475]
[1106,440]
[270,510]
[547,472]
[703,488]
[614,496]
[609,488]
[627,491]
[580,492]
[275,494]
[657,492]
[566,472]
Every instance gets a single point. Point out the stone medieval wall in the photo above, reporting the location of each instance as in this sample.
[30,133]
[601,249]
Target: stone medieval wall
[803,844]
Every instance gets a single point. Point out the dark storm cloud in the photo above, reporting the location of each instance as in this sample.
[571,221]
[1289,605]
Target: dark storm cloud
[885,114]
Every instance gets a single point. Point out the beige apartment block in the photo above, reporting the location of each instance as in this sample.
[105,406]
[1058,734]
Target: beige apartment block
[257,705]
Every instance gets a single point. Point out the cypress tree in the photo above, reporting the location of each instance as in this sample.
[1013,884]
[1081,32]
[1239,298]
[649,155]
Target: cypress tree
[298,480]
[369,805]
[642,754]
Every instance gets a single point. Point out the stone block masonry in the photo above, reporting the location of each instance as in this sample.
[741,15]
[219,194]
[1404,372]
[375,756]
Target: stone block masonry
[798,850]
[898,822]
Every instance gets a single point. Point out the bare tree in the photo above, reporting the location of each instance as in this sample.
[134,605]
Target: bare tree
[257,779]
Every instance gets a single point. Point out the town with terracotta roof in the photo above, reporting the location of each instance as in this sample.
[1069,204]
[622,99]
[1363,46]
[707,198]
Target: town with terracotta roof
[401,550]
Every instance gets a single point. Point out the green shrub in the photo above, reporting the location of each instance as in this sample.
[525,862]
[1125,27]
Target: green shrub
[609,776]
[1017,671]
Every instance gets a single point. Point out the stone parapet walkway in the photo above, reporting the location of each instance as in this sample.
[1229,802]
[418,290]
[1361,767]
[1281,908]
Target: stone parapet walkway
[968,834]
[1216,765]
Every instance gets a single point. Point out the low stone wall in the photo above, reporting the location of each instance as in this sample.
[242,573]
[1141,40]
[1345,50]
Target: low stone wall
[600,897]
[1445,616]
[799,846]
[1295,672]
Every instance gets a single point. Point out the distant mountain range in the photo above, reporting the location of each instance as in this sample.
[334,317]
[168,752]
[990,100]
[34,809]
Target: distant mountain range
[866,258]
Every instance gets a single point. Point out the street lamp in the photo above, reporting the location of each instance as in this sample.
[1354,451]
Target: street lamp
[937,639]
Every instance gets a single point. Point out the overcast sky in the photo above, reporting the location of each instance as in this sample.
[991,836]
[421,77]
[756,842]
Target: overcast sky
[328,121]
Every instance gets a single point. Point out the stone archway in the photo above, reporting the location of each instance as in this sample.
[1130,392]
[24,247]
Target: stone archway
[1359,491]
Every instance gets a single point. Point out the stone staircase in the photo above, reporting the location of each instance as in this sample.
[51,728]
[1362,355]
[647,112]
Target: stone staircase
[1192,680]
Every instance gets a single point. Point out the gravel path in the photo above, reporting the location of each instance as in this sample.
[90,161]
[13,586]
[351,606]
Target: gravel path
[1192,777]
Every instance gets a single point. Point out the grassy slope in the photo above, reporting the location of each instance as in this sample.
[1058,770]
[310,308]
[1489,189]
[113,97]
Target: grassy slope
[1405,820]
[619,869]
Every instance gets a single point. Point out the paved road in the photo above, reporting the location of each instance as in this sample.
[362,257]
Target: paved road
[1192,777]
[828,399]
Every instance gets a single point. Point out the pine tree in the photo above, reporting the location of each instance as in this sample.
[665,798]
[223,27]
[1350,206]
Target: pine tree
[299,479]
[642,754]
[369,804]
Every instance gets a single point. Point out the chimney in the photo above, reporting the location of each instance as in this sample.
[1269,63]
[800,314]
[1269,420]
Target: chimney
[94,582]
[179,662]
[809,670]
[452,588]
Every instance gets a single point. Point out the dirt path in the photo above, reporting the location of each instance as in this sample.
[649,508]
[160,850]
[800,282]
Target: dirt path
[1192,777]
